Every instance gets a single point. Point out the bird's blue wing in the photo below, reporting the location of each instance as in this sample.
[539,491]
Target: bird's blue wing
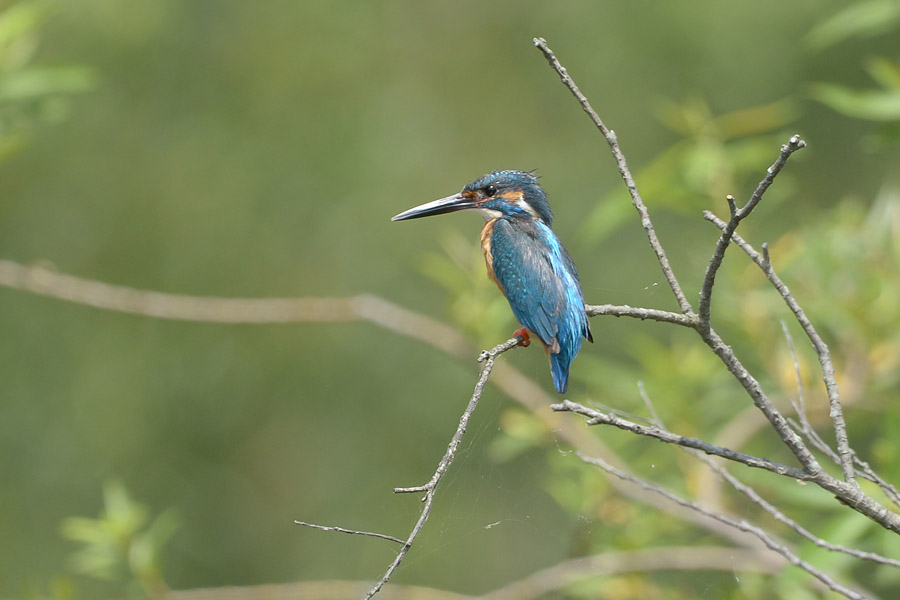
[539,280]
[527,278]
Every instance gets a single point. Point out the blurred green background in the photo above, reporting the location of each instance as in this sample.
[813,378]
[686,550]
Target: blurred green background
[258,149]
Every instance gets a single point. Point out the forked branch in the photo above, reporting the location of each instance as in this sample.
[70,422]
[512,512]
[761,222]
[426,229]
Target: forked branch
[847,490]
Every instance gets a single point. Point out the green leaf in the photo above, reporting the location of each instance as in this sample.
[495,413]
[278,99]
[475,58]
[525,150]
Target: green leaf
[80,529]
[874,105]
[35,82]
[885,72]
[163,528]
[866,19]
[22,19]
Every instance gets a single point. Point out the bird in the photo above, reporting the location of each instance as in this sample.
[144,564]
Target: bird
[526,260]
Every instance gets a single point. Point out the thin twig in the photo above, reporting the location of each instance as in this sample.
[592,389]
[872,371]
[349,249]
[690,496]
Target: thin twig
[624,171]
[800,406]
[738,215]
[742,525]
[648,404]
[596,417]
[804,427]
[351,531]
[430,488]
[889,490]
[824,354]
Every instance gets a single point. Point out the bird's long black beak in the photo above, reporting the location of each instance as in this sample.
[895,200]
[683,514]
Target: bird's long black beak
[438,207]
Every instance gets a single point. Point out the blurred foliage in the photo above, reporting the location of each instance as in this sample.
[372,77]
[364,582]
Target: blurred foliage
[860,19]
[714,156]
[882,104]
[475,305]
[250,149]
[122,545]
[875,105]
[29,94]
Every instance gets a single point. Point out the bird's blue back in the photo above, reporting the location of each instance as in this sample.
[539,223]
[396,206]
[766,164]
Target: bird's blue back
[540,281]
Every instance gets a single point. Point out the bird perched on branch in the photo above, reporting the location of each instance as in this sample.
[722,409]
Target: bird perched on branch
[526,260]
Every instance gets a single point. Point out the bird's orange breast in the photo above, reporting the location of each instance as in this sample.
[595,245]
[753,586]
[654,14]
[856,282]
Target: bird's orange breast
[486,232]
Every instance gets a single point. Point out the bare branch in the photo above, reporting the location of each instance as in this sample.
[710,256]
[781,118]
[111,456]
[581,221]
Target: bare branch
[596,417]
[824,354]
[619,157]
[742,525]
[652,314]
[430,488]
[738,215]
[209,309]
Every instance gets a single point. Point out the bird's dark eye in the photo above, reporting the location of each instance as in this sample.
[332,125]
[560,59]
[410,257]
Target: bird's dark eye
[490,190]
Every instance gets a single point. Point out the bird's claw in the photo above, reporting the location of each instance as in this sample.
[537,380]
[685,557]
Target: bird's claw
[522,335]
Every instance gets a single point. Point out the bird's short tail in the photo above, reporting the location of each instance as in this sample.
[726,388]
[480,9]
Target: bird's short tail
[559,367]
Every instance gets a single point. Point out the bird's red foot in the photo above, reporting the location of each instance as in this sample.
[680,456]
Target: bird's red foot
[522,335]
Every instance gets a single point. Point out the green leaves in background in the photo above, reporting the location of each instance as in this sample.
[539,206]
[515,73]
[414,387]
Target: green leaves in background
[123,544]
[880,104]
[716,156]
[877,104]
[31,95]
[862,19]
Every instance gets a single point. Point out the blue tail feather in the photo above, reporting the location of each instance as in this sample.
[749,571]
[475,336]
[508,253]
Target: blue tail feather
[559,367]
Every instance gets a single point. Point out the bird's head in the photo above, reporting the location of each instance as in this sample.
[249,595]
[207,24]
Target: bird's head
[497,194]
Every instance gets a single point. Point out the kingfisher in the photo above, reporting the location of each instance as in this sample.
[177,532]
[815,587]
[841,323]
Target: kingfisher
[526,260]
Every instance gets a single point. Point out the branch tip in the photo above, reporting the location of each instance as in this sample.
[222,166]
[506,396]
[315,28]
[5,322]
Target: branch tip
[732,205]
[350,531]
